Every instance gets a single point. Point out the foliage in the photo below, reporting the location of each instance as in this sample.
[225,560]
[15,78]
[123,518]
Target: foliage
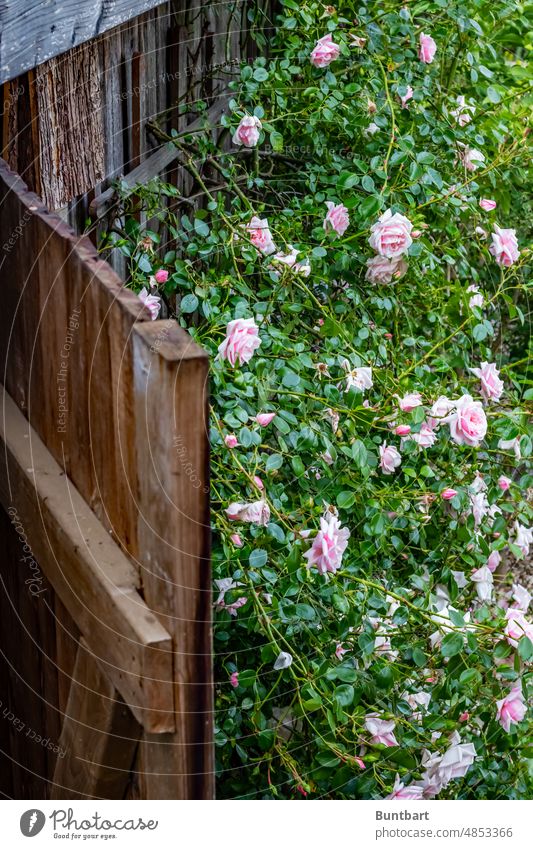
[359,636]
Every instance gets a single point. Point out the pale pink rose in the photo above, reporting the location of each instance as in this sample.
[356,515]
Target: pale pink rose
[521,597]
[337,218]
[405,98]
[283,660]
[479,505]
[390,236]
[523,537]
[402,430]
[411,791]
[328,546]
[247,133]
[264,419]
[234,679]
[410,401]
[258,482]
[511,445]
[242,339]
[504,246]
[440,411]
[468,423]
[494,560]
[448,494]
[512,708]
[360,762]
[236,540]
[491,385]
[371,129]
[441,769]
[151,302]
[381,730]
[231,440]
[428,48]
[464,717]
[481,232]
[517,626]
[357,41]
[359,378]
[324,52]
[426,437]
[257,512]
[504,483]
[340,651]
[224,585]
[477,299]
[260,236]
[469,157]
[234,606]
[390,458]
[290,260]
[161,276]
[380,269]
[487,204]
[463,113]
[484,583]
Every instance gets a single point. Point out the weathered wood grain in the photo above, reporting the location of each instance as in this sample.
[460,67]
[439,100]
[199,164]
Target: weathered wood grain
[98,739]
[93,578]
[33,31]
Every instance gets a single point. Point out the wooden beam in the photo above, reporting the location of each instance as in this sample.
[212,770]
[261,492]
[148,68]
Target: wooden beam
[98,739]
[93,578]
[33,31]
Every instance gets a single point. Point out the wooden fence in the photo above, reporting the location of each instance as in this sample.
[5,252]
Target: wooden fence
[105,642]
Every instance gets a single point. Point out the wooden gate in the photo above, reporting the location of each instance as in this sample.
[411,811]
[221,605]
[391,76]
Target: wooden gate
[105,609]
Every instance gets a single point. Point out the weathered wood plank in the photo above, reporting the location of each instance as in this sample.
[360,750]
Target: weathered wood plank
[33,31]
[99,737]
[171,374]
[95,581]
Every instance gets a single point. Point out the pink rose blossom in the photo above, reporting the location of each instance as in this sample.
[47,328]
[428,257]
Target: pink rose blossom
[477,299]
[440,411]
[360,762]
[340,651]
[402,430]
[242,339]
[521,597]
[328,545]
[161,276]
[257,512]
[258,482]
[231,440]
[484,583]
[469,157]
[468,423]
[504,246]
[151,302]
[390,458]
[523,537]
[399,791]
[260,235]
[358,378]
[511,445]
[517,626]
[504,483]
[382,730]
[410,401]
[337,218]
[428,48]
[290,260]
[380,269]
[247,133]
[264,419]
[463,113]
[234,606]
[494,560]
[491,385]
[426,437]
[448,494]
[391,235]
[234,679]
[512,708]
[487,204]
[236,540]
[464,717]
[404,98]
[324,52]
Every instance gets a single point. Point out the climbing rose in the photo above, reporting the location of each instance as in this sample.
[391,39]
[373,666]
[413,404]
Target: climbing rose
[521,597]
[428,48]
[491,385]
[257,512]
[231,440]
[358,378]
[264,419]
[511,444]
[426,436]
[404,98]
[260,235]
[151,302]
[470,157]
[283,660]
[391,235]
[337,218]
[468,423]
[382,730]
[504,246]
[487,204]
[247,133]
[512,708]
[448,494]
[380,269]
[399,791]
[234,679]
[504,483]
[324,52]
[523,538]
[328,546]
[477,299]
[409,402]
[463,113]
[290,260]
[517,626]
[494,560]
[161,276]
[389,458]
[484,582]
[236,540]
[402,430]
[242,339]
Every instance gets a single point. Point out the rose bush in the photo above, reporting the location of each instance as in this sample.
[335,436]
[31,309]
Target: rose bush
[369,396]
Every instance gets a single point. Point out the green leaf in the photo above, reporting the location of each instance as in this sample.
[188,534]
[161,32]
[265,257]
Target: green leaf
[359,453]
[345,499]
[419,657]
[452,644]
[525,648]
[201,227]
[189,303]
[344,695]
[258,558]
